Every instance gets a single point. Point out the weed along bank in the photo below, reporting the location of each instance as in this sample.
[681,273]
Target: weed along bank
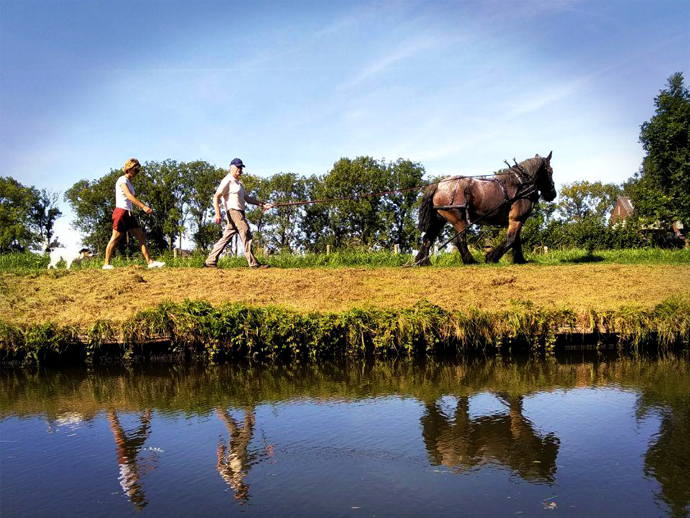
[182,314]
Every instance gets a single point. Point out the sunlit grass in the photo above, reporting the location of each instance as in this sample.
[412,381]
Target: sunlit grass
[30,262]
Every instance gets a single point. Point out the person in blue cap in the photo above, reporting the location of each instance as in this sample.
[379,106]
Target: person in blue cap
[234,197]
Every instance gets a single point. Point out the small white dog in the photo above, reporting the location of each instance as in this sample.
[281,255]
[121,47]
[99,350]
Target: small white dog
[70,255]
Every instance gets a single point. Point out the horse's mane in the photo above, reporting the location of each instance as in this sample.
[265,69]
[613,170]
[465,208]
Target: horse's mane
[511,176]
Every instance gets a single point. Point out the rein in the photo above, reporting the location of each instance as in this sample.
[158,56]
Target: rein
[400,190]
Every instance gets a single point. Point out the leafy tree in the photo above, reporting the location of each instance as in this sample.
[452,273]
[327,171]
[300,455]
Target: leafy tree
[27,215]
[202,178]
[661,189]
[281,226]
[354,219]
[315,228]
[93,203]
[44,213]
[167,192]
[399,208]
[580,200]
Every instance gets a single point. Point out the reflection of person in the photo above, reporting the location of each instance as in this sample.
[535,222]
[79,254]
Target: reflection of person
[234,197]
[123,220]
[234,459]
[128,446]
[463,442]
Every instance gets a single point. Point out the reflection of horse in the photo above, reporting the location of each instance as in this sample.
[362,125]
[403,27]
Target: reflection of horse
[128,446]
[510,440]
[505,200]
[234,459]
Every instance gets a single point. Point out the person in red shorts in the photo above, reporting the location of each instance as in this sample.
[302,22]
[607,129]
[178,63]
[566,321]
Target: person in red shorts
[123,220]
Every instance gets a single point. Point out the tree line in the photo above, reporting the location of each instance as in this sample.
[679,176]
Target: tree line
[181,195]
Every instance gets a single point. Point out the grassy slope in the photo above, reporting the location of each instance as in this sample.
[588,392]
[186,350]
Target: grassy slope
[83,295]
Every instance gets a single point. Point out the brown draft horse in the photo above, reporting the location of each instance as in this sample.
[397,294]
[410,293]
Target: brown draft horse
[505,199]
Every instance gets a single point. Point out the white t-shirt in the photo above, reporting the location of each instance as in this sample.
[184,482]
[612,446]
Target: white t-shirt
[233,193]
[121,201]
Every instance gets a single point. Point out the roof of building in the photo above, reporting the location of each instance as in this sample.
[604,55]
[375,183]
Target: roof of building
[626,203]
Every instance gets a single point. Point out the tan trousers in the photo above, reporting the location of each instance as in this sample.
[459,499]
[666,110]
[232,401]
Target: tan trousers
[238,225]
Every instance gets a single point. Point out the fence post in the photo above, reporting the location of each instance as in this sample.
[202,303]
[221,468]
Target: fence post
[328,249]
[396,248]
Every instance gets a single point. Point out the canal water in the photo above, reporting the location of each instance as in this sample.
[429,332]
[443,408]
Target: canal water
[579,435]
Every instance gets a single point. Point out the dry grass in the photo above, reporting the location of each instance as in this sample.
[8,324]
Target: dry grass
[84,296]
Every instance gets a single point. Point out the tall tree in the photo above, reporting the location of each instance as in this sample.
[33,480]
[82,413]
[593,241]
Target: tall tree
[399,208]
[18,231]
[203,180]
[44,213]
[355,219]
[661,189]
[580,200]
[93,202]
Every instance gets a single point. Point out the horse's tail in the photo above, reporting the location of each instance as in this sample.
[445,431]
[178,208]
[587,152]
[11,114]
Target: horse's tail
[427,213]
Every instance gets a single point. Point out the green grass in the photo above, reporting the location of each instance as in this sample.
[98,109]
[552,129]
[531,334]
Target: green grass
[29,262]
[210,333]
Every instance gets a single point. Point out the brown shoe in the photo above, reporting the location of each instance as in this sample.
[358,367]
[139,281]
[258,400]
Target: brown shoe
[212,266]
[261,266]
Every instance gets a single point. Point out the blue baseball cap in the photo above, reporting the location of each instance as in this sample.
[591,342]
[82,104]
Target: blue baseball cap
[237,162]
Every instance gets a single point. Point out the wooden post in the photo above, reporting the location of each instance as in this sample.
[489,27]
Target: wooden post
[328,249]
[396,248]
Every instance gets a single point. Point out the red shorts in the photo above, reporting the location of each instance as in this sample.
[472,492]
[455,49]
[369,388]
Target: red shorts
[123,220]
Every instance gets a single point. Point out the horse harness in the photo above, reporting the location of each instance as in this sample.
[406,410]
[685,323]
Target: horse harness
[526,189]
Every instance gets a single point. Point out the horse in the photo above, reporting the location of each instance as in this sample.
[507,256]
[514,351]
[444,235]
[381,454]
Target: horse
[506,199]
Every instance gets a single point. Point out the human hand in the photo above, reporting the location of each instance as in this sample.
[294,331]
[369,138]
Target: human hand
[147,210]
[217,219]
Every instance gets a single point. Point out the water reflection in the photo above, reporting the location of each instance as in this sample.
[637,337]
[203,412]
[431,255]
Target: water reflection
[668,457]
[438,397]
[234,458]
[461,443]
[128,446]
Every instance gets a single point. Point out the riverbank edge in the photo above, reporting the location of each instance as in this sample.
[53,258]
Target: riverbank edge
[197,330]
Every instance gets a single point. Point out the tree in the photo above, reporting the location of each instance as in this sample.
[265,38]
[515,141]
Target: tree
[93,203]
[580,200]
[27,215]
[399,208]
[44,214]
[203,180]
[661,189]
[355,219]
[280,228]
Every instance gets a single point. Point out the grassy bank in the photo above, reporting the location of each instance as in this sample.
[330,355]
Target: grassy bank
[198,330]
[86,313]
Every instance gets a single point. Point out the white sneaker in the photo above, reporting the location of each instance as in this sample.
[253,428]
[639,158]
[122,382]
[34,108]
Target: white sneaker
[156,264]
[108,267]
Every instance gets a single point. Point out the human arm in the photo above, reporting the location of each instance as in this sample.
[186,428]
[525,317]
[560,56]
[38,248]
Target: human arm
[254,201]
[128,194]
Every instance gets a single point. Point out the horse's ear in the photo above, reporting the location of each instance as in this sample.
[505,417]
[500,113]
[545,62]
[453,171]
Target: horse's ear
[548,158]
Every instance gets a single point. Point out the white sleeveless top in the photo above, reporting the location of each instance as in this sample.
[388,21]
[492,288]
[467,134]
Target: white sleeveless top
[121,201]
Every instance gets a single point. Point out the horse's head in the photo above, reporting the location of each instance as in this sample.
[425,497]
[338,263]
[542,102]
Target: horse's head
[544,179]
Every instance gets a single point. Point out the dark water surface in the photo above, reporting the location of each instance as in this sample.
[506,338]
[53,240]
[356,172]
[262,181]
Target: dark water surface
[572,436]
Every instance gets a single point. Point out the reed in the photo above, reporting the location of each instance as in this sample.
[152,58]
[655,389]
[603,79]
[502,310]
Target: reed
[195,329]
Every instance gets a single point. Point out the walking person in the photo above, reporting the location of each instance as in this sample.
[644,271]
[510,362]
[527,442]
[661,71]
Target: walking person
[234,198]
[123,220]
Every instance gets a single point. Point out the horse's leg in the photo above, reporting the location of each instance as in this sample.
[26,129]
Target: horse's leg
[428,239]
[460,226]
[518,258]
[495,255]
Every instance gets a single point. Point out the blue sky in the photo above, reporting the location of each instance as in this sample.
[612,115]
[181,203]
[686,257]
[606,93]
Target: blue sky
[292,86]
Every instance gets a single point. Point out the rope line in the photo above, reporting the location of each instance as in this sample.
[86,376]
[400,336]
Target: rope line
[384,193]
